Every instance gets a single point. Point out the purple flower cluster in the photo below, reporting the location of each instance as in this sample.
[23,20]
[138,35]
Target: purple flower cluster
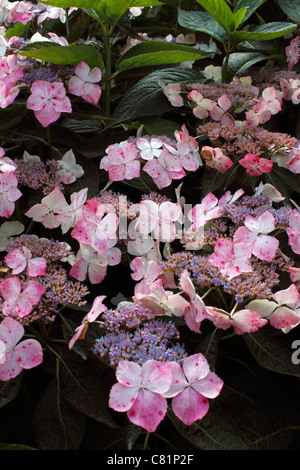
[132,333]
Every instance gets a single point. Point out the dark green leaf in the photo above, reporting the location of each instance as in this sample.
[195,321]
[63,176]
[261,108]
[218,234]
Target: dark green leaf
[240,62]
[157,53]
[272,352]
[214,432]
[9,390]
[202,22]
[262,32]
[57,425]
[291,8]
[146,97]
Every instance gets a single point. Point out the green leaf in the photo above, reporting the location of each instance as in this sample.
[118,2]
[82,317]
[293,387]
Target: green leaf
[9,390]
[238,16]
[146,97]
[239,62]
[251,6]
[157,53]
[203,22]
[271,351]
[291,8]
[63,55]
[221,12]
[213,432]
[262,32]
[57,425]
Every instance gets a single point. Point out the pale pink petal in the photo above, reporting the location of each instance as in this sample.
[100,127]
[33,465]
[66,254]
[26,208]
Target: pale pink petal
[195,367]
[265,247]
[179,382]
[121,398]
[16,260]
[29,353]
[11,331]
[210,386]
[289,296]
[129,374]
[37,267]
[284,316]
[10,288]
[156,376]
[91,93]
[11,368]
[246,321]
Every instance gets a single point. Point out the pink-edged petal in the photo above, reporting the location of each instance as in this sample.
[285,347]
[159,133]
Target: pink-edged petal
[11,331]
[195,367]
[121,398]
[79,269]
[179,382]
[246,321]
[11,368]
[129,374]
[210,386]
[16,260]
[29,353]
[265,247]
[33,292]
[37,267]
[289,296]
[148,410]
[91,93]
[82,70]
[284,316]
[10,288]
[156,376]
[189,406]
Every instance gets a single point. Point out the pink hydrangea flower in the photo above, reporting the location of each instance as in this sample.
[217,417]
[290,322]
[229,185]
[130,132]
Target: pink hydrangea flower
[160,301]
[242,321]
[158,219]
[69,169]
[196,312]
[219,113]
[52,211]
[254,232]
[93,264]
[283,311]
[146,272]
[121,162]
[77,201]
[292,52]
[203,105]
[201,213]
[259,114]
[139,392]
[17,300]
[293,231]
[10,69]
[193,383]
[94,228]
[97,308]
[232,258]
[172,92]
[215,158]
[273,99]
[255,165]
[189,160]
[17,355]
[84,83]
[8,93]
[289,87]
[48,101]
[19,260]
[9,193]
[164,169]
